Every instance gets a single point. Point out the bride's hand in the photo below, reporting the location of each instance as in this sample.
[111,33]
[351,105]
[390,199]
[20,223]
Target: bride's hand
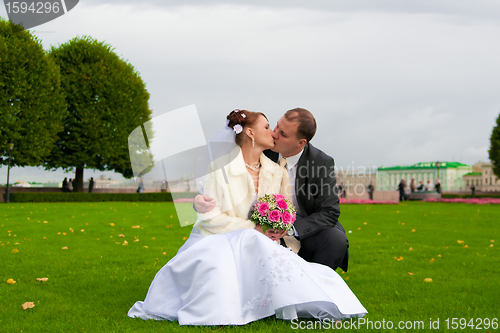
[275,234]
[258,227]
[269,232]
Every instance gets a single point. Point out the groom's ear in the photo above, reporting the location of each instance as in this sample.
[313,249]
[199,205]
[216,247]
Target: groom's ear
[302,143]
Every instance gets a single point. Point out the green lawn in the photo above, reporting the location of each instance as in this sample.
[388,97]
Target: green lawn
[92,284]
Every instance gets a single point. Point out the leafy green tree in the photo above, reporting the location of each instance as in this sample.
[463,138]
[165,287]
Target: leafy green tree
[106,100]
[32,103]
[495,148]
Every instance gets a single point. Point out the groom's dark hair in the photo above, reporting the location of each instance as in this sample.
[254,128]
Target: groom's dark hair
[307,123]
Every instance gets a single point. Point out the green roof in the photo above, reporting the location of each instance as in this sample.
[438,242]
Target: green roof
[473,174]
[426,165]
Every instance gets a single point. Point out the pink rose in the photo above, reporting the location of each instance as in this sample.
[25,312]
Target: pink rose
[294,217]
[263,209]
[282,204]
[274,215]
[279,197]
[286,218]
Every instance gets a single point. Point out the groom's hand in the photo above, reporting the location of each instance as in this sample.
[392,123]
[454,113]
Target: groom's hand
[203,203]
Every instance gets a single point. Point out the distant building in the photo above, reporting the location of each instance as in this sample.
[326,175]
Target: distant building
[21,183]
[103,182]
[483,178]
[355,182]
[450,175]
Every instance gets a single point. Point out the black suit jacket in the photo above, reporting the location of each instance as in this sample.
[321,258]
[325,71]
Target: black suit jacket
[315,190]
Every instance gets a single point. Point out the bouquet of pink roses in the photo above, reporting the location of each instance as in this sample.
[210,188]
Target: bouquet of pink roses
[273,211]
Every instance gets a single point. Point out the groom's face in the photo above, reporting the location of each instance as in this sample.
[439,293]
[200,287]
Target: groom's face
[285,138]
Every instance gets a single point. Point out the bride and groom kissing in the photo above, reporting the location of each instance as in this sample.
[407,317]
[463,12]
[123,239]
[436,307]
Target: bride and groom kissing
[231,272]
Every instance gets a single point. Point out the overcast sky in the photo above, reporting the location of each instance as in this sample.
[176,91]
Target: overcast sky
[389,82]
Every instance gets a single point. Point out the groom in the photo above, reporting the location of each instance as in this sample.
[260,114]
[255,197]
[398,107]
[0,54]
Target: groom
[314,193]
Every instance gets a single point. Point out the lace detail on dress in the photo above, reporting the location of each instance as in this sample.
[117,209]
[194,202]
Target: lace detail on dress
[280,264]
[258,302]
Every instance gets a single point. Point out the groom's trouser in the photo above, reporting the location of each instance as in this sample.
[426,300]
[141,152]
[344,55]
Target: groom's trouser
[329,247]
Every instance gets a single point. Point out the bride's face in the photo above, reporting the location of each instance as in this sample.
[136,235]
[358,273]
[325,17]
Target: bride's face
[263,133]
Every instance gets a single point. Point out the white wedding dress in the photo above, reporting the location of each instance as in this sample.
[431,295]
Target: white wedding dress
[242,276]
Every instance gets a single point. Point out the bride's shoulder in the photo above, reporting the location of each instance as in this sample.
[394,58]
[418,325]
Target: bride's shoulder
[269,164]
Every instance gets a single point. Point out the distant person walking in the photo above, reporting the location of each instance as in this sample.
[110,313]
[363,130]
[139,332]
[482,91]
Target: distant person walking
[401,189]
[65,187]
[413,187]
[70,185]
[371,189]
[141,186]
[91,184]
[341,190]
[438,186]
[473,188]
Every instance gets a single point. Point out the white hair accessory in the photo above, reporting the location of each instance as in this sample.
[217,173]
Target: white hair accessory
[237,128]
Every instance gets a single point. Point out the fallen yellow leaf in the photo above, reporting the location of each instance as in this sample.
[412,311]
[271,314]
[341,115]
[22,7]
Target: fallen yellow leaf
[466,246]
[432,260]
[136,240]
[410,249]
[136,226]
[493,241]
[460,241]
[184,238]
[359,228]
[398,259]
[112,224]
[365,223]
[64,248]
[11,281]
[42,279]
[15,251]
[378,233]
[491,245]
[402,223]
[428,280]
[121,235]
[28,305]
[413,230]
[439,255]
[125,243]
[411,273]
[164,253]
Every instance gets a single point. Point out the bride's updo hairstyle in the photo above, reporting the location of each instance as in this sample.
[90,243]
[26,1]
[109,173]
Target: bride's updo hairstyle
[245,119]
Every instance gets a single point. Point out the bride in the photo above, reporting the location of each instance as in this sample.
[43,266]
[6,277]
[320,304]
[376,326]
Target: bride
[229,272]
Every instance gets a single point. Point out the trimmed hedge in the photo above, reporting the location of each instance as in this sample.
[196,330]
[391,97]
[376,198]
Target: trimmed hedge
[96,197]
[468,196]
